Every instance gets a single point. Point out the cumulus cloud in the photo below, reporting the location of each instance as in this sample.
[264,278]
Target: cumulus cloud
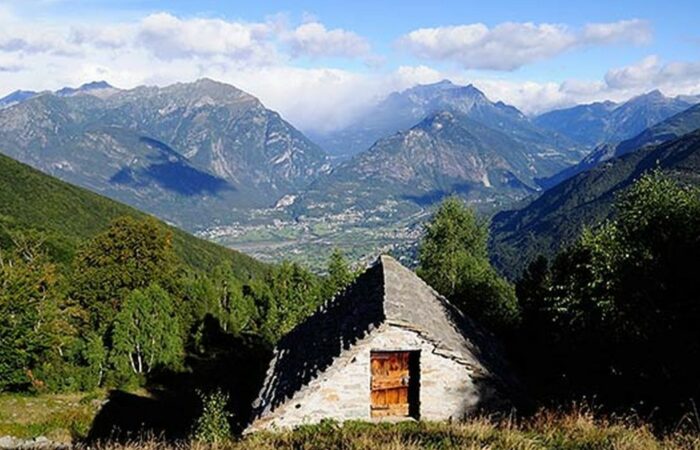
[511,45]
[315,40]
[634,31]
[619,84]
[260,57]
[170,37]
[651,72]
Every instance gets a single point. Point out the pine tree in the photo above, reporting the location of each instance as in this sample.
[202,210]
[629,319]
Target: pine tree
[339,274]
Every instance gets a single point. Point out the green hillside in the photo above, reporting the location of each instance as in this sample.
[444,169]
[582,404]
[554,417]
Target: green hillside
[556,218]
[65,215]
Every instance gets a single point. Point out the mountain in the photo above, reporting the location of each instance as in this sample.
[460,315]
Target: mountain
[195,154]
[608,122]
[401,174]
[402,110]
[556,218]
[66,215]
[16,97]
[96,88]
[671,128]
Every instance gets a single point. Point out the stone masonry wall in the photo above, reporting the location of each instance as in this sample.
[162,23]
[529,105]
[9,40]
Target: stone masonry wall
[342,392]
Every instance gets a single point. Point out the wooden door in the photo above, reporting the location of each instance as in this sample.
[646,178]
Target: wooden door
[391,378]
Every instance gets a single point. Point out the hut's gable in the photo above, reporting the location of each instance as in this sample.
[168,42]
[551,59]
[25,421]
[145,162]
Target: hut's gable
[437,363]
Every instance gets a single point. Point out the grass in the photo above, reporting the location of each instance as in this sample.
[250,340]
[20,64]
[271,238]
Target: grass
[573,431]
[67,417]
[59,417]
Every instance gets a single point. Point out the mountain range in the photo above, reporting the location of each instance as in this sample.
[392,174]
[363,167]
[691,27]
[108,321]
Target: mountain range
[463,143]
[210,158]
[400,111]
[555,219]
[666,130]
[192,153]
[608,122]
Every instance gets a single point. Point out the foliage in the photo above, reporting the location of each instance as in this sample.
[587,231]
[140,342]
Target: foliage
[619,308]
[146,332]
[29,323]
[453,259]
[339,274]
[575,430]
[130,254]
[294,293]
[213,424]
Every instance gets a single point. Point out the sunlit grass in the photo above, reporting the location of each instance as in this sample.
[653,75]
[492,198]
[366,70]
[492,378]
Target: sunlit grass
[547,430]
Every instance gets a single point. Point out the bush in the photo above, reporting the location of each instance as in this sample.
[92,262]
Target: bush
[213,426]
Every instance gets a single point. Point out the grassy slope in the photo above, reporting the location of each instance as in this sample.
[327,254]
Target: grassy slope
[59,417]
[66,215]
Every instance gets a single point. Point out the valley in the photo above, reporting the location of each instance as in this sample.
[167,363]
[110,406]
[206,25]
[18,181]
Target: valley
[211,159]
[311,240]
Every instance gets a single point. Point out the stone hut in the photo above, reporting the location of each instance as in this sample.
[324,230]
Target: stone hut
[388,347]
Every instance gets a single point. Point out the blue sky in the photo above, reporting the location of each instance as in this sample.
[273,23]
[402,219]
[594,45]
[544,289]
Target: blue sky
[327,61]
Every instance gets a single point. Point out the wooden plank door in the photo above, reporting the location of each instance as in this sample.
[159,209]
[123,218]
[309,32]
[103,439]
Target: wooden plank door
[390,384]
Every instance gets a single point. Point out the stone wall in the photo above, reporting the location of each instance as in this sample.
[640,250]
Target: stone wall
[342,392]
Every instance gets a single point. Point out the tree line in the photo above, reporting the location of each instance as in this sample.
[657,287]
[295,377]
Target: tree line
[612,318]
[127,306]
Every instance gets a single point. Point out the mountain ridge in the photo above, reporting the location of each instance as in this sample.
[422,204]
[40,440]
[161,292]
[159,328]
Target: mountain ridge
[609,122]
[556,218]
[192,153]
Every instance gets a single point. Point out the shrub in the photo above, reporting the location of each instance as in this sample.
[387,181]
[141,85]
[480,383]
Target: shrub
[213,426]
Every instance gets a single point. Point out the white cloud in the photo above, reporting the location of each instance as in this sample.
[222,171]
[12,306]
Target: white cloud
[511,45]
[170,37]
[160,49]
[651,72]
[619,84]
[315,40]
[634,31]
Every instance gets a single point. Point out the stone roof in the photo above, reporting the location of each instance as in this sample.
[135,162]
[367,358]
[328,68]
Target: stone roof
[387,293]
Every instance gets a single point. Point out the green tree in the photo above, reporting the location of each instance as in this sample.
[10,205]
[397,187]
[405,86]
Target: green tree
[339,274]
[234,311]
[212,426]
[146,332]
[29,302]
[618,310]
[453,258]
[130,254]
[95,357]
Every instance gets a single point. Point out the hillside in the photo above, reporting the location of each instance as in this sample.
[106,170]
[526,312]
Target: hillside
[557,217]
[671,128]
[609,122]
[66,215]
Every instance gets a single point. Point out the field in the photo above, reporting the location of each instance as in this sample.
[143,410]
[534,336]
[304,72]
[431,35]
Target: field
[65,418]
[58,417]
